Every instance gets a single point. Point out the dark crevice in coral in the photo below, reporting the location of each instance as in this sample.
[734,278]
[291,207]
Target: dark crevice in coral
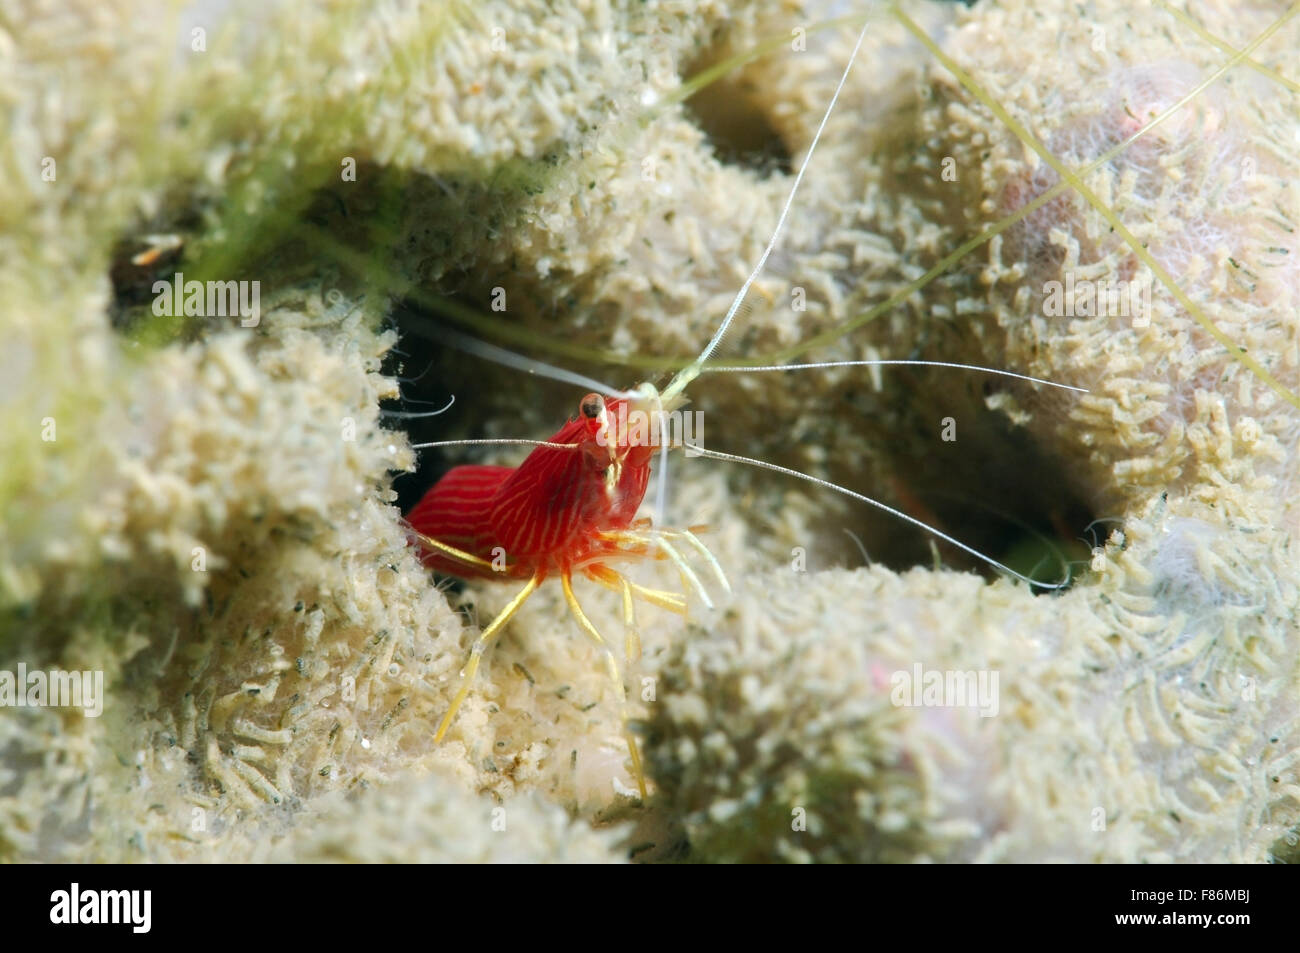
[490,401]
[731,112]
[147,256]
[367,229]
[1003,496]
[991,486]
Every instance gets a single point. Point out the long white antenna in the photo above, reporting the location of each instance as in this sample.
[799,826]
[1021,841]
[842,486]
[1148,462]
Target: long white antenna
[504,441]
[692,370]
[736,458]
[738,369]
[499,355]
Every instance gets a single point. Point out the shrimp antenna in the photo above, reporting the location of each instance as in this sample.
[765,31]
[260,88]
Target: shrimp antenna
[827,484]
[499,355]
[692,370]
[508,441]
[740,368]
[414,414]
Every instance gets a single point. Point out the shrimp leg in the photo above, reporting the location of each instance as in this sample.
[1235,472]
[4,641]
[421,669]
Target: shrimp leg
[480,646]
[622,585]
[660,538]
[469,559]
[612,579]
[566,580]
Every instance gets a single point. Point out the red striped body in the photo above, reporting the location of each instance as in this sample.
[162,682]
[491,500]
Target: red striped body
[543,515]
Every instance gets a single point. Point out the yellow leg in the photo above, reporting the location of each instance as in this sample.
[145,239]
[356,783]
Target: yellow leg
[611,579]
[614,674]
[468,559]
[659,538]
[632,635]
[622,585]
[480,646]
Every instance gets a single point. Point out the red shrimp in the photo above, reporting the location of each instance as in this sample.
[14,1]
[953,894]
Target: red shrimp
[570,506]
[547,514]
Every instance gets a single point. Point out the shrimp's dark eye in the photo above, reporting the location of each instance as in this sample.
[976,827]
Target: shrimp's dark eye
[591,406]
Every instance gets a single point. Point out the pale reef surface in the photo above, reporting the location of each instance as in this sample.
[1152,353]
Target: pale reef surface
[206,513]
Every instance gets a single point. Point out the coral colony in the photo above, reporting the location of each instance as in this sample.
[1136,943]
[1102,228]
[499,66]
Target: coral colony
[203,501]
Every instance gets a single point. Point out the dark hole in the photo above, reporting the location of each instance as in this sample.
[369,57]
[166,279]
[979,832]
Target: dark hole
[992,488]
[730,113]
[486,396]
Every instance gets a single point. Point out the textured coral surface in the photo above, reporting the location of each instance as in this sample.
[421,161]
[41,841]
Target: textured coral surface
[207,510]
